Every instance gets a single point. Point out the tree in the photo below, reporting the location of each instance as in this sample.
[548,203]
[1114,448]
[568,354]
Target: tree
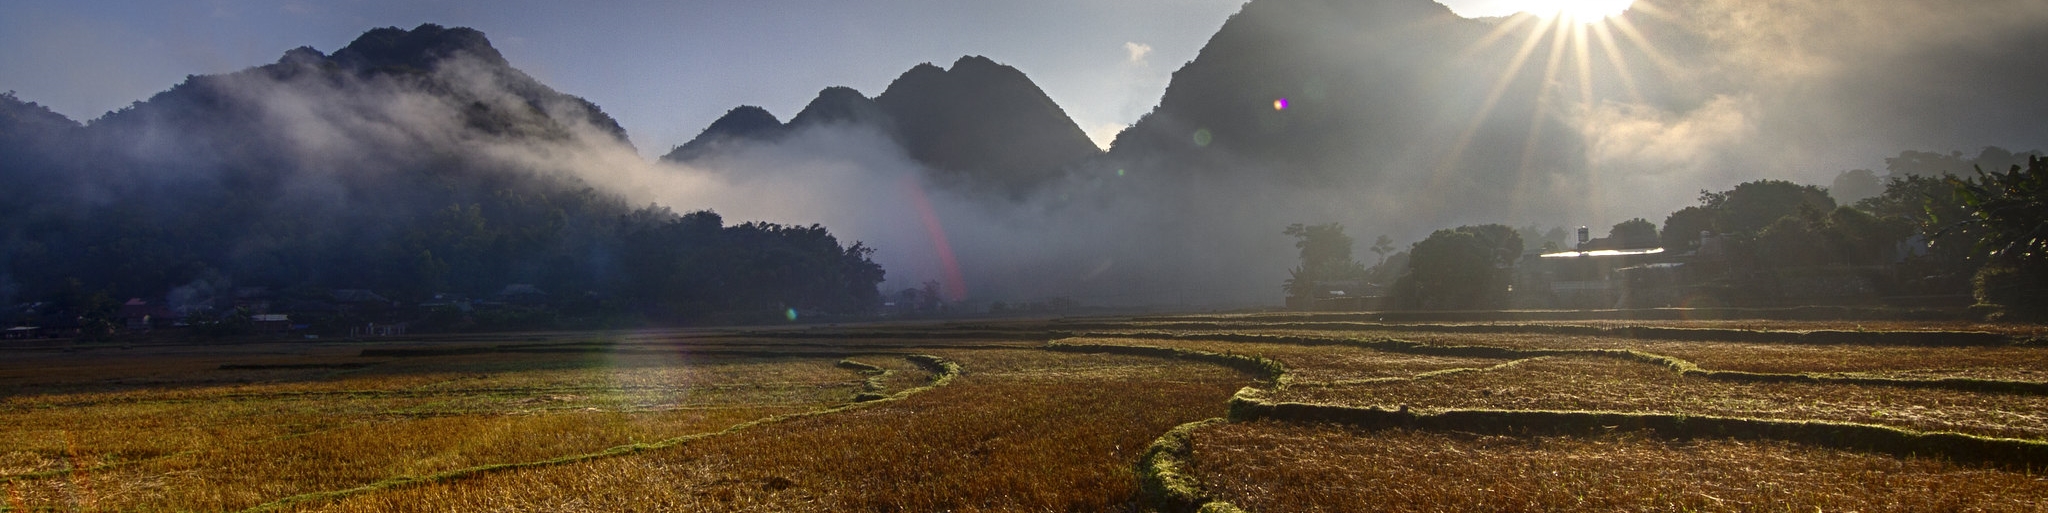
[1463,268]
[2010,210]
[1321,245]
[1325,256]
[931,300]
[1682,228]
[1930,164]
[1855,184]
[1502,243]
[1382,246]
[1918,201]
[1743,211]
[1552,240]
[1751,206]
[1634,233]
[1925,163]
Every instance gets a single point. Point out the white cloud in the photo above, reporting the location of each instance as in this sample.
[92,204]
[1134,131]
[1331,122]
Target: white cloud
[1634,136]
[1138,51]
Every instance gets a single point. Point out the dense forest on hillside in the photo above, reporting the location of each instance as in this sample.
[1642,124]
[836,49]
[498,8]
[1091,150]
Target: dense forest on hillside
[413,164]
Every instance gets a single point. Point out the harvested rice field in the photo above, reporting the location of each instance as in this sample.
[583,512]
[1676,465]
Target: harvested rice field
[1269,466]
[1264,413]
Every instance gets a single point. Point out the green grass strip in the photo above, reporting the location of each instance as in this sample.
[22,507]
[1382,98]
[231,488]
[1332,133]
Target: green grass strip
[1809,337]
[1679,365]
[1801,313]
[876,382]
[1418,377]
[1265,368]
[1166,479]
[943,372]
[859,367]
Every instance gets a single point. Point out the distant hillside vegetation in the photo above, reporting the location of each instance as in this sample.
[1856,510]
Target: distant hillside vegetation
[411,162]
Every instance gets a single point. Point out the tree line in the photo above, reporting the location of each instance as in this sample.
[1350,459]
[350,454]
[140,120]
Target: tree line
[89,224]
[1928,230]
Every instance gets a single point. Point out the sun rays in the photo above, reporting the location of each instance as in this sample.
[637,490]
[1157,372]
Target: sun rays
[1591,54]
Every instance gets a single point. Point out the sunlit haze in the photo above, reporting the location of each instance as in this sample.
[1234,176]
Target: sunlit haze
[1127,152]
[1581,10]
[1584,10]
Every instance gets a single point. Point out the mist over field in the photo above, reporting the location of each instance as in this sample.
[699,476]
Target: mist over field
[1052,255]
[1403,118]
[1394,117]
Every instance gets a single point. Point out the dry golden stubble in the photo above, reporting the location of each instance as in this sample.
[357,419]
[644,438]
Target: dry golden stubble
[1275,466]
[1018,431]
[1315,364]
[1280,321]
[2013,363]
[1616,385]
[223,448]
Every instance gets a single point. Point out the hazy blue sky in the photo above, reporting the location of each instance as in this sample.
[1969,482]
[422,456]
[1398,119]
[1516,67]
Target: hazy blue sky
[664,69]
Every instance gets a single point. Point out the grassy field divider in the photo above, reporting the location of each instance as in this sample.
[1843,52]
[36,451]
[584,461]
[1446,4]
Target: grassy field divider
[1808,337]
[2027,455]
[1679,365]
[871,388]
[1026,334]
[1265,368]
[1686,368]
[1167,483]
[1426,375]
[943,372]
[1166,480]
[1799,313]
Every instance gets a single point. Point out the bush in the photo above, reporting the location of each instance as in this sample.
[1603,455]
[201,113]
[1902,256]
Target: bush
[2015,293]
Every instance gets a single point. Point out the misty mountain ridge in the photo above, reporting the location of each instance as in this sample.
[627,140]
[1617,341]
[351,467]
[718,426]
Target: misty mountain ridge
[1400,117]
[1390,116]
[979,125]
[410,162]
[748,124]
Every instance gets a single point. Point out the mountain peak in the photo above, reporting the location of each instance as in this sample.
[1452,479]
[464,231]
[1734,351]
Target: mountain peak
[742,124]
[745,119]
[302,56]
[975,61]
[839,104]
[983,122]
[419,48]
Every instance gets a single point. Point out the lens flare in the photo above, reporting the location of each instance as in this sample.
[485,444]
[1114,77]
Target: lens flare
[1280,104]
[953,281]
[790,314]
[1203,138]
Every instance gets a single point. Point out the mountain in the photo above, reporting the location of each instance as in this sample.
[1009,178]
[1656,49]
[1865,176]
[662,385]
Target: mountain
[739,126]
[747,124]
[1527,118]
[979,125]
[410,162]
[983,123]
[840,104]
[1368,89]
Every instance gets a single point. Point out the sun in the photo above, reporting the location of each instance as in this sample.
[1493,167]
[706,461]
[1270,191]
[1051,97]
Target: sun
[1582,11]
[1576,45]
